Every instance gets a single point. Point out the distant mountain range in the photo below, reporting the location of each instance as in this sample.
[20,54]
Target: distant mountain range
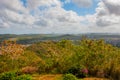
[113,39]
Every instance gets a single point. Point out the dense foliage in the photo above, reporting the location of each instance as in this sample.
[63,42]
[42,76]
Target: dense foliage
[81,58]
[69,77]
[14,76]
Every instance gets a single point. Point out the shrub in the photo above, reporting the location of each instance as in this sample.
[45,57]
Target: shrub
[23,77]
[69,77]
[78,72]
[8,76]
[14,75]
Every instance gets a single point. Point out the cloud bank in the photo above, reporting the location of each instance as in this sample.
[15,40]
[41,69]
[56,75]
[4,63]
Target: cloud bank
[47,16]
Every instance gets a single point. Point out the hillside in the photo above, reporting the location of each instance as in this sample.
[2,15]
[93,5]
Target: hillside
[113,39]
[80,59]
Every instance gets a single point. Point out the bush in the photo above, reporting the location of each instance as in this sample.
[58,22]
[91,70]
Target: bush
[14,75]
[69,77]
[78,72]
[8,76]
[24,77]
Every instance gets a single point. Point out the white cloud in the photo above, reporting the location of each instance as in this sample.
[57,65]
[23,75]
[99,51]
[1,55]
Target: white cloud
[33,4]
[101,10]
[15,17]
[113,6]
[47,16]
[13,12]
[107,13]
[56,19]
[14,5]
[83,3]
[3,24]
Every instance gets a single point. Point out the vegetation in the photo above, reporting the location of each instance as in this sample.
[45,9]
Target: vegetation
[14,76]
[69,77]
[24,77]
[84,58]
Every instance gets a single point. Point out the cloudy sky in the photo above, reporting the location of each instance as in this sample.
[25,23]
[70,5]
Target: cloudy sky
[59,16]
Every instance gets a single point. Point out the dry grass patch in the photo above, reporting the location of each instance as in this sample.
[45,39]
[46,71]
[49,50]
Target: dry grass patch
[58,77]
[95,79]
[47,77]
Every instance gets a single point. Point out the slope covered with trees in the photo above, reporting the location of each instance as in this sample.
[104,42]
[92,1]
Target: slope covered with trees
[83,58]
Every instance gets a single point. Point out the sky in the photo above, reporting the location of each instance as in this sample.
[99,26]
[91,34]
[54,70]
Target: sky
[59,16]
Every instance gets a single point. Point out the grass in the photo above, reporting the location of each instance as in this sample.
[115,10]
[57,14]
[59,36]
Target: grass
[59,77]
[95,79]
[47,77]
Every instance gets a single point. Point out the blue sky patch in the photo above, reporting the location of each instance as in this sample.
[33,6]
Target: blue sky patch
[82,11]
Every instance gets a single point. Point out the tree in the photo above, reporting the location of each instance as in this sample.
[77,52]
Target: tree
[11,50]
